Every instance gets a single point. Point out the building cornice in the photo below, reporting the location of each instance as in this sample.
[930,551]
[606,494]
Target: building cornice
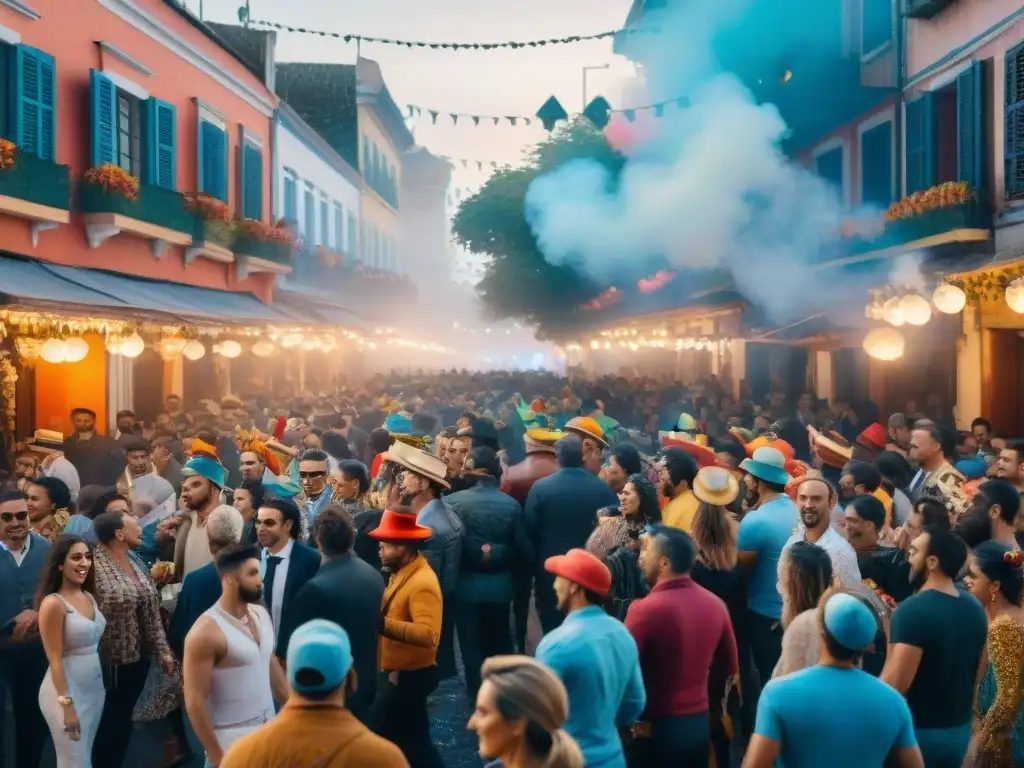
[295,125]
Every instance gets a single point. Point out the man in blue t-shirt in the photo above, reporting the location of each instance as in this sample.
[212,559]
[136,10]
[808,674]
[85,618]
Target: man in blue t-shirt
[763,534]
[835,713]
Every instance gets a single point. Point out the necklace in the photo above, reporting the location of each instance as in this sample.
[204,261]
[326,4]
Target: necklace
[250,625]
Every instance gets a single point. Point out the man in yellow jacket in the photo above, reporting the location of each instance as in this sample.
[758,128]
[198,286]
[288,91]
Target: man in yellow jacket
[410,629]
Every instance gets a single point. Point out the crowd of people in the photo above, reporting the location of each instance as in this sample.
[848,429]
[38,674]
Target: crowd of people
[717,581]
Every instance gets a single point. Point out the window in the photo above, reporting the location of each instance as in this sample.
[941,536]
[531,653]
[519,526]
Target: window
[325,224]
[129,139]
[6,54]
[291,212]
[309,209]
[250,176]
[830,166]
[876,166]
[876,25]
[1013,110]
[32,117]
[353,249]
[339,228]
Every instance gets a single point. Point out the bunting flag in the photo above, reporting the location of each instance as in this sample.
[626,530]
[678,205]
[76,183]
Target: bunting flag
[417,111]
[453,46]
[468,164]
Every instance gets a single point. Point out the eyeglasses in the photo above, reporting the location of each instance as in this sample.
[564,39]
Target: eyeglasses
[308,475]
[9,516]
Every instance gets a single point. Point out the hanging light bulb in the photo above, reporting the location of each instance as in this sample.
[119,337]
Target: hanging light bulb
[915,309]
[949,299]
[114,342]
[892,312]
[1015,295]
[229,349]
[133,346]
[194,350]
[885,344]
[75,349]
[53,351]
[262,348]
[173,345]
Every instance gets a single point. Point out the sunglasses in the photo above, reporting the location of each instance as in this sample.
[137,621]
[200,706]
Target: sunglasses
[9,516]
[308,475]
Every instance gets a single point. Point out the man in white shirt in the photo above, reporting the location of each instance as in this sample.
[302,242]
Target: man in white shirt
[285,563]
[815,499]
[48,445]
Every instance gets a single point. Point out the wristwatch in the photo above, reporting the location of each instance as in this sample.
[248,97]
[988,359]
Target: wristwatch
[64,701]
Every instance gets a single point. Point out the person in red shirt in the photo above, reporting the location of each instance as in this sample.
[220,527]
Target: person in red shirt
[682,632]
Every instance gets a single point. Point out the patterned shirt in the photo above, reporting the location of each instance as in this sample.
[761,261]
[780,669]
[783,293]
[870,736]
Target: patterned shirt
[844,558]
[132,609]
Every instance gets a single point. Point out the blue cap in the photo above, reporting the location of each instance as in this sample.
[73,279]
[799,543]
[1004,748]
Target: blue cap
[203,466]
[319,657]
[850,622]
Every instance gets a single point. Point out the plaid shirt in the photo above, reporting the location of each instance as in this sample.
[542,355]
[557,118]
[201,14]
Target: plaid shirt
[132,611]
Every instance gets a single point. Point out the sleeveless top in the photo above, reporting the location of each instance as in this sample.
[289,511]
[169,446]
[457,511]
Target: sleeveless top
[240,694]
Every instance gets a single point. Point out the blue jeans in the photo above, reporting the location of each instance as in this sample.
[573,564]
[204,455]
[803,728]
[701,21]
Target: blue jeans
[944,747]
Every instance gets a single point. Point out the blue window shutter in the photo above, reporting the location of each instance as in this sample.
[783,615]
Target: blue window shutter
[159,154]
[310,216]
[252,182]
[212,161]
[104,119]
[34,102]
[1013,114]
[289,199]
[339,228]
[876,165]
[971,126]
[920,143]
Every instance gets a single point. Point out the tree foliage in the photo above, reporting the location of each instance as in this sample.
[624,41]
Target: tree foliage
[519,283]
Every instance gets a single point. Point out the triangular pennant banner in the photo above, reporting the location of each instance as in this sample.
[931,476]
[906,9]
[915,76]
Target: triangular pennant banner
[493,164]
[465,163]
[659,110]
[511,120]
[433,116]
[476,119]
[479,165]
[455,118]
[412,110]
[526,120]
[630,114]
[496,120]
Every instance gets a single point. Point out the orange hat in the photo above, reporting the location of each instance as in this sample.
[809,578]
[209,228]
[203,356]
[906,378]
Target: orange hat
[583,568]
[767,441]
[585,426]
[205,449]
[400,526]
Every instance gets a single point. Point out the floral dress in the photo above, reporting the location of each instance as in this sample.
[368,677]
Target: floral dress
[999,696]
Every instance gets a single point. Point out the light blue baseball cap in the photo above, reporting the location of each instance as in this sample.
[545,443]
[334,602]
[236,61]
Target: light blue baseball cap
[202,466]
[850,622]
[319,657]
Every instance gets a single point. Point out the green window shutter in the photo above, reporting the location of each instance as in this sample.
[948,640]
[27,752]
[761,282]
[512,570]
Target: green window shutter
[920,143]
[104,119]
[971,126]
[1013,116]
[876,165]
[160,156]
[212,161]
[252,182]
[34,102]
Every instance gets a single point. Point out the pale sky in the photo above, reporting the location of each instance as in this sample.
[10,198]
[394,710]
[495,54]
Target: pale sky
[502,82]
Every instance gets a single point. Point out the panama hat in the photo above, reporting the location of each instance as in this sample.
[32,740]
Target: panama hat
[46,439]
[400,526]
[716,486]
[767,464]
[586,427]
[420,462]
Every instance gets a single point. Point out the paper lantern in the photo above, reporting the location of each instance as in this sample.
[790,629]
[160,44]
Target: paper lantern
[1015,295]
[262,348]
[75,349]
[194,350]
[949,299]
[915,309]
[229,349]
[54,351]
[885,344]
[133,346]
[892,312]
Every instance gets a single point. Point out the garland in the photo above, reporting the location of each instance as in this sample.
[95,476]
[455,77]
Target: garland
[991,284]
[512,44]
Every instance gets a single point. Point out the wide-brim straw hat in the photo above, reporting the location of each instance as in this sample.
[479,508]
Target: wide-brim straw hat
[829,450]
[46,438]
[717,486]
[420,462]
[586,427]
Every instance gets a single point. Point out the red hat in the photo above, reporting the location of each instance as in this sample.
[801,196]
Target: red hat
[581,567]
[400,526]
[873,437]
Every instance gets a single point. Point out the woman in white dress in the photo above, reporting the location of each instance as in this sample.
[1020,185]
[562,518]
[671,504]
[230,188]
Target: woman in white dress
[70,624]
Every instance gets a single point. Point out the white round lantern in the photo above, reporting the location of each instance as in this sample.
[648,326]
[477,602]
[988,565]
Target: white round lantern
[916,309]
[173,345]
[1015,295]
[949,299]
[133,346]
[54,351]
[114,343]
[885,344]
[194,350]
[75,349]
[229,349]
[262,348]
[892,312]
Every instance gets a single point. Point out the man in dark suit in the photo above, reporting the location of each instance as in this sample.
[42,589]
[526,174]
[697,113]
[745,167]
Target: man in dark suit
[346,591]
[286,563]
[561,512]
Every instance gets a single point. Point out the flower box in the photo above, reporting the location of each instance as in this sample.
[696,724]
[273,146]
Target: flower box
[967,220]
[278,252]
[157,214]
[36,190]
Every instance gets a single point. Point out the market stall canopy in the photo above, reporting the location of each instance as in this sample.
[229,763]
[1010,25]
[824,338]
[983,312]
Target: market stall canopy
[314,307]
[35,285]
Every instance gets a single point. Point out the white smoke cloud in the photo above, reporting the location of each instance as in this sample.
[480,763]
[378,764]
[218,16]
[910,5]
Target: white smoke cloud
[711,188]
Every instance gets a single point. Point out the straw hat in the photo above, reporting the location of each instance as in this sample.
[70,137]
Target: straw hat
[422,463]
[716,486]
[586,427]
[46,439]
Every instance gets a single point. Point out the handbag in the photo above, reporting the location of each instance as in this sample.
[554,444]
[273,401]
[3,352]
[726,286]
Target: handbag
[160,696]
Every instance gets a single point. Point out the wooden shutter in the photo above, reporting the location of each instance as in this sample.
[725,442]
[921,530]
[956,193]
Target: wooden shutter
[34,102]
[920,144]
[252,181]
[104,119]
[161,141]
[971,125]
[213,179]
[1013,114]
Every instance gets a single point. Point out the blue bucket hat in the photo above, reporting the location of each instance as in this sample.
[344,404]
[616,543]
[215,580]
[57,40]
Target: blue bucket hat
[767,464]
[202,466]
[319,657]
[850,622]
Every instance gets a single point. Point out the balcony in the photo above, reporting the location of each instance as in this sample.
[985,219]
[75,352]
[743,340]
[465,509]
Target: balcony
[926,9]
[260,248]
[156,214]
[38,191]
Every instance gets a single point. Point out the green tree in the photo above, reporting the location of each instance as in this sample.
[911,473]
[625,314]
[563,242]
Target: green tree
[519,283]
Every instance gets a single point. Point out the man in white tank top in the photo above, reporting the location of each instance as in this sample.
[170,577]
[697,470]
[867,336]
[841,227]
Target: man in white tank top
[232,676]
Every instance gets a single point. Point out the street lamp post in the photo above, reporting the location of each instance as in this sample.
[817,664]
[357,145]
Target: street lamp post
[588,69]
